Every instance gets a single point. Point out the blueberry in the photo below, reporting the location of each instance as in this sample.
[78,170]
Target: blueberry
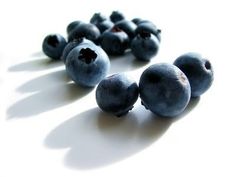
[114,41]
[198,70]
[104,25]
[87,64]
[97,18]
[71,45]
[116,16]
[117,94]
[53,45]
[164,90]
[136,20]
[87,30]
[72,26]
[145,46]
[128,27]
[149,27]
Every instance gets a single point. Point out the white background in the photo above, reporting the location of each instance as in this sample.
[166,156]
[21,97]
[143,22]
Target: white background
[50,127]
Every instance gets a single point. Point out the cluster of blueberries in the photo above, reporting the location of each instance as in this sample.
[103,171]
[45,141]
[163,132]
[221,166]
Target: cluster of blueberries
[165,89]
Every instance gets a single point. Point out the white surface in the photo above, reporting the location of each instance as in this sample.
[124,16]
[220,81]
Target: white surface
[50,127]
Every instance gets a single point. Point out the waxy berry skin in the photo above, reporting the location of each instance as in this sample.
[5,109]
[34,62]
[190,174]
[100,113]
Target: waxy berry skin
[198,70]
[164,90]
[87,64]
[117,94]
[53,46]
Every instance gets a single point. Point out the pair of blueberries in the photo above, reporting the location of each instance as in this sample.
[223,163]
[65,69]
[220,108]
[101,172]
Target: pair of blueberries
[164,89]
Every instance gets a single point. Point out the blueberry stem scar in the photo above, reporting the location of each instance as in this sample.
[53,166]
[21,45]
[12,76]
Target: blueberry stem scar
[87,55]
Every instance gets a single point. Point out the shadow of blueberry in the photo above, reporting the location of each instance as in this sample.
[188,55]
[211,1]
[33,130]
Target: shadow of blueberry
[36,64]
[45,81]
[97,139]
[47,99]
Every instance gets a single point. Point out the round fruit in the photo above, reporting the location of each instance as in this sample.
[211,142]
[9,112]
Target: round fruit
[87,64]
[87,30]
[114,41]
[145,46]
[117,94]
[164,90]
[53,45]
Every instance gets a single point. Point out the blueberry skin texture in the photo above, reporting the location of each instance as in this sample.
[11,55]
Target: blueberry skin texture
[145,46]
[128,27]
[104,25]
[114,41]
[53,46]
[117,94]
[148,27]
[87,64]
[136,20]
[97,18]
[164,90]
[198,70]
[87,30]
[71,45]
[116,16]
[71,26]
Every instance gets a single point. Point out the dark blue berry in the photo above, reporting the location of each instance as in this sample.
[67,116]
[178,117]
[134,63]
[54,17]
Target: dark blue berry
[136,20]
[72,26]
[104,25]
[116,16]
[128,27]
[53,45]
[145,46]
[97,18]
[148,27]
[114,41]
[198,70]
[87,30]
[117,94]
[87,64]
[164,90]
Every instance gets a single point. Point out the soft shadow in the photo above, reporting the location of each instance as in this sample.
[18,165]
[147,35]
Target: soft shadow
[45,82]
[191,105]
[126,62]
[38,64]
[95,139]
[46,100]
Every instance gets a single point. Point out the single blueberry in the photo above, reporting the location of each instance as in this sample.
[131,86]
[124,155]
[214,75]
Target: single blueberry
[87,30]
[114,41]
[97,18]
[71,45]
[148,27]
[104,25]
[71,26]
[198,70]
[117,94]
[53,45]
[164,90]
[128,27]
[145,46]
[87,64]
[116,16]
